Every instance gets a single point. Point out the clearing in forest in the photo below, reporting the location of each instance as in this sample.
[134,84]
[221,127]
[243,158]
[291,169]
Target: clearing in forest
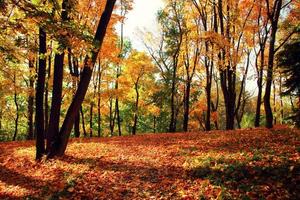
[246,164]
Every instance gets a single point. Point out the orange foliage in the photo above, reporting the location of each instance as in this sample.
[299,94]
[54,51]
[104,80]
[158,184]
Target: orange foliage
[164,166]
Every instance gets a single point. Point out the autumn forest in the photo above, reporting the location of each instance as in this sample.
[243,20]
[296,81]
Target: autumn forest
[206,107]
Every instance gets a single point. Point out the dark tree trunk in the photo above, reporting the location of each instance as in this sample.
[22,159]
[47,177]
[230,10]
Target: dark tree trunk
[136,110]
[274,102]
[17,109]
[260,87]
[62,141]
[111,117]
[281,100]
[47,93]
[240,101]
[99,101]
[186,106]
[30,101]
[227,75]
[209,68]
[74,71]
[91,118]
[39,103]
[1,119]
[53,129]
[154,124]
[118,117]
[274,17]
[228,87]
[83,122]
[172,127]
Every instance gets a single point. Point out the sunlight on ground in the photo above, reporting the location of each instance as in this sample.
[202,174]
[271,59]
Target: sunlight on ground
[248,164]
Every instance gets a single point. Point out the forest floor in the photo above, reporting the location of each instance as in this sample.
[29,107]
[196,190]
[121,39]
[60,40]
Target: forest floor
[241,164]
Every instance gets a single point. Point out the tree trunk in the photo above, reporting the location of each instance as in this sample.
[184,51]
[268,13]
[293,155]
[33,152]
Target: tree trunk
[91,118]
[62,141]
[99,101]
[281,100]
[274,17]
[1,119]
[154,124]
[172,127]
[111,117]
[83,122]
[118,117]
[47,92]
[260,86]
[39,103]
[187,106]
[274,103]
[53,129]
[208,91]
[30,101]
[136,110]
[17,109]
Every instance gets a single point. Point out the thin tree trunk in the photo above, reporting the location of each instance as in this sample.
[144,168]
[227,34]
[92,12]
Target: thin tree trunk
[111,117]
[47,92]
[17,109]
[91,118]
[187,106]
[30,101]
[136,110]
[274,103]
[172,127]
[281,100]
[39,103]
[83,122]
[1,119]
[260,87]
[154,124]
[99,100]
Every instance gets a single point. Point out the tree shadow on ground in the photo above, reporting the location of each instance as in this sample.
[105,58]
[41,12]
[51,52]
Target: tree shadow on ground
[257,181]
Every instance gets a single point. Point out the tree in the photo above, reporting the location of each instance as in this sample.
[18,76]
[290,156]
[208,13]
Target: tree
[39,102]
[139,70]
[289,62]
[273,15]
[61,142]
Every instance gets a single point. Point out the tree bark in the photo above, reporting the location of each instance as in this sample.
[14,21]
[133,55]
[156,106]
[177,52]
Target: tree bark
[83,122]
[91,118]
[99,100]
[62,141]
[47,92]
[274,17]
[260,86]
[30,101]
[136,110]
[53,129]
[39,103]
[17,109]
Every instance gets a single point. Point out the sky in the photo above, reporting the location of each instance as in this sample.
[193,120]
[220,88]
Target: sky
[142,16]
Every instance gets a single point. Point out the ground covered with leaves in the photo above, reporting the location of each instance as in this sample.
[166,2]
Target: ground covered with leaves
[247,164]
